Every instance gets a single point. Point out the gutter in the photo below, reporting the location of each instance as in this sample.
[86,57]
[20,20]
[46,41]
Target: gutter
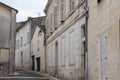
[86,37]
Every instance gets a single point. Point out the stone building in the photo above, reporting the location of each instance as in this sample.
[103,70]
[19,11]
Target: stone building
[24,36]
[23,39]
[65,39]
[38,46]
[104,40]
[7,37]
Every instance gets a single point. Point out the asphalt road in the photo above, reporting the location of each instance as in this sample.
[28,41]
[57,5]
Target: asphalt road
[24,75]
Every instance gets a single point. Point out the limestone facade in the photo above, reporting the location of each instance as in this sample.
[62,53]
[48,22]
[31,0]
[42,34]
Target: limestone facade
[7,37]
[104,40]
[23,39]
[38,50]
[65,38]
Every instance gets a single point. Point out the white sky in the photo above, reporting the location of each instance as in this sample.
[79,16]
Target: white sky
[27,8]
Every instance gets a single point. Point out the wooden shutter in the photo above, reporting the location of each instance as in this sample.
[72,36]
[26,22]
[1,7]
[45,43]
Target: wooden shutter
[63,55]
[55,16]
[99,59]
[102,57]
[62,8]
[72,47]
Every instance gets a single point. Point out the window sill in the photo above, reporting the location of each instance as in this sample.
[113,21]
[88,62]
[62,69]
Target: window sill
[71,64]
[71,12]
[62,65]
[81,2]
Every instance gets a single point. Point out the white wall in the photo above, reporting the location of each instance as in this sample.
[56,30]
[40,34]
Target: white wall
[69,66]
[38,48]
[25,48]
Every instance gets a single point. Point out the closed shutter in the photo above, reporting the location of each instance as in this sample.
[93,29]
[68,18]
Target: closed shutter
[99,59]
[55,16]
[62,8]
[102,57]
[72,47]
[63,54]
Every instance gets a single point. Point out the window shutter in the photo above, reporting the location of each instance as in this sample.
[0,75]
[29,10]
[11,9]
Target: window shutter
[72,48]
[99,59]
[72,5]
[51,21]
[102,57]
[63,55]
[55,16]
[62,9]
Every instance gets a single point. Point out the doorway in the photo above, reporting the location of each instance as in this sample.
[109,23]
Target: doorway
[33,62]
[21,59]
[56,58]
[38,63]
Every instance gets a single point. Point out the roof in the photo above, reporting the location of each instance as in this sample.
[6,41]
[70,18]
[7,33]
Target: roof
[47,5]
[8,6]
[37,21]
[20,24]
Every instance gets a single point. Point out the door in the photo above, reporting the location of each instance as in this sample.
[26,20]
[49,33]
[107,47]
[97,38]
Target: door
[102,57]
[21,59]
[56,58]
[38,63]
[33,62]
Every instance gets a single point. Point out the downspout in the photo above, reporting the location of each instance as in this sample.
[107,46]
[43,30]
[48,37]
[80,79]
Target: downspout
[86,37]
[45,51]
[30,29]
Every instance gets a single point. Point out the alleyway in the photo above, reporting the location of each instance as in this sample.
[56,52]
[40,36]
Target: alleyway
[24,75]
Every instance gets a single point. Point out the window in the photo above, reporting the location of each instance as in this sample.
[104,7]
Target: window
[72,48]
[47,28]
[102,56]
[17,44]
[63,53]
[39,33]
[28,37]
[38,45]
[21,41]
[72,5]
[62,9]
[83,31]
[51,22]
[55,17]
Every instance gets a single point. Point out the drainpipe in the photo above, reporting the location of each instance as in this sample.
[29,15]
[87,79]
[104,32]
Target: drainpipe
[45,51]
[86,37]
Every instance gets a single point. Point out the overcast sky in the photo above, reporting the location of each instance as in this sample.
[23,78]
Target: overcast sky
[27,8]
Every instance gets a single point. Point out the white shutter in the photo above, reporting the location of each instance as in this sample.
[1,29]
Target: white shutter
[62,8]
[63,51]
[55,16]
[72,48]
[99,59]
[102,57]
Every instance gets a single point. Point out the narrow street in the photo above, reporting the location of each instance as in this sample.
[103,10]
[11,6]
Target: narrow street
[24,75]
